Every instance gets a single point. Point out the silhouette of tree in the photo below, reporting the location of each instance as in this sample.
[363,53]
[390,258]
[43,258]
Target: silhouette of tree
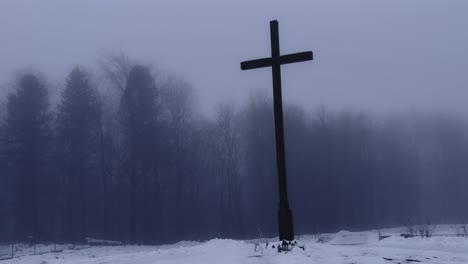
[77,134]
[27,131]
[139,113]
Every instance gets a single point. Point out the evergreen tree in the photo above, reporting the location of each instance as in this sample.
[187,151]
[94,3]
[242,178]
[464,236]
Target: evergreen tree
[6,188]
[27,124]
[139,116]
[77,133]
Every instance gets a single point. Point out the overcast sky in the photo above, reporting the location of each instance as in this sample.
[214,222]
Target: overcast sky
[378,55]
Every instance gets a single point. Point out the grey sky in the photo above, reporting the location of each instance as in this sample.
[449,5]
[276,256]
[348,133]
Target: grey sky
[379,55]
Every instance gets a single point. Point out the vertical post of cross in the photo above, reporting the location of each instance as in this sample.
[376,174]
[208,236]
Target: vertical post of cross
[285,221]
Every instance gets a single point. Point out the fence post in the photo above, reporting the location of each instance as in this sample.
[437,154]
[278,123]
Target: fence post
[12,249]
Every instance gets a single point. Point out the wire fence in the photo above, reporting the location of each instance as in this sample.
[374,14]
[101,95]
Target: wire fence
[15,250]
[6,251]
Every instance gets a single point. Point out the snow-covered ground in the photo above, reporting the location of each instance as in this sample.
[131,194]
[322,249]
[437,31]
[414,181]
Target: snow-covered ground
[342,247]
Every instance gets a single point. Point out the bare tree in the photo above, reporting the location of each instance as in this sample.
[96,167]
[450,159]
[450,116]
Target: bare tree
[228,152]
[177,97]
[116,68]
[460,230]
[181,177]
[426,229]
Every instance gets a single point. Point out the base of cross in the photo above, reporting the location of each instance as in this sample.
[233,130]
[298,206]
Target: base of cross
[285,222]
[283,246]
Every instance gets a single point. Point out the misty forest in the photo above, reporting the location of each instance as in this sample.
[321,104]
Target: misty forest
[123,153]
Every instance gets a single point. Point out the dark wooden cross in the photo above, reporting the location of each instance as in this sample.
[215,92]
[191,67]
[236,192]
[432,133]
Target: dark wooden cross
[285,220]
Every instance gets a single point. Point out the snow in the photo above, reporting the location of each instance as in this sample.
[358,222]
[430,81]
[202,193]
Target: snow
[342,247]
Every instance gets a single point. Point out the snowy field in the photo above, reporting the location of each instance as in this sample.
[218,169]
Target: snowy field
[342,247]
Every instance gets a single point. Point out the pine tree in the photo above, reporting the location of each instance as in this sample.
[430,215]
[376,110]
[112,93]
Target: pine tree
[6,187]
[27,124]
[77,133]
[139,118]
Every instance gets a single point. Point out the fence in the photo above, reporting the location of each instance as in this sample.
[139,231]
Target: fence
[6,251]
[14,250]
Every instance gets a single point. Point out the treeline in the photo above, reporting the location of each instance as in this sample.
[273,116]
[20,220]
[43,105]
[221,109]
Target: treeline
[138,163]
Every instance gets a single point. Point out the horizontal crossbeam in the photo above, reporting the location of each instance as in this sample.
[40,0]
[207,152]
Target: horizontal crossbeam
[255,64]
[285,59]
[296,57]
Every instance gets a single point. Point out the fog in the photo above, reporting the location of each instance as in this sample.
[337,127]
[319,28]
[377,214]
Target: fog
[374,55]
[132,121]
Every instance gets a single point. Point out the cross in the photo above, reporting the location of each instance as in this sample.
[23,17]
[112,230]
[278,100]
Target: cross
[285,220]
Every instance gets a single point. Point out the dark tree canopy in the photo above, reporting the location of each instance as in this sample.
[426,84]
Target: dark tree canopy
[139,113]
[77,122]
[27,135]
[132,159]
